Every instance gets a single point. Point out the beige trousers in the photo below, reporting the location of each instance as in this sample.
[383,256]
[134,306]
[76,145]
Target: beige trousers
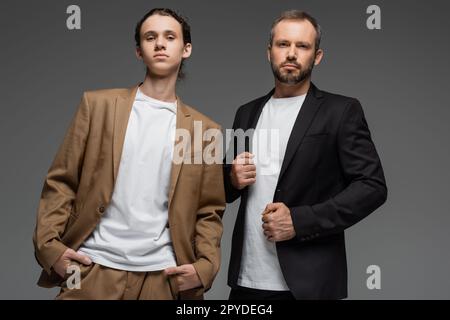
[102,283]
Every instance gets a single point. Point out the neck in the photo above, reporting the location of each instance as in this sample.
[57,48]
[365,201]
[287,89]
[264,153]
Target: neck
[283,90]
[160,88]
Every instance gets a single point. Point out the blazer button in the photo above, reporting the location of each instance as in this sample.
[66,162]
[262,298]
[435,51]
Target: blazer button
[101,209]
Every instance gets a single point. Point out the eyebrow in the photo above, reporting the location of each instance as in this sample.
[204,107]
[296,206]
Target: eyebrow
[151,32]
[297,42]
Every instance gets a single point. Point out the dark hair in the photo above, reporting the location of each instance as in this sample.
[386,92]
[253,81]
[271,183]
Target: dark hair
[186,29]
[298,15]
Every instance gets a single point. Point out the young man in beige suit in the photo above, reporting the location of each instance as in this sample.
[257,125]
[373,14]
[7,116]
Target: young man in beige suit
[115,207]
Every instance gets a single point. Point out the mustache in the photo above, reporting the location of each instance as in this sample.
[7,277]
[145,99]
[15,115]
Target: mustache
[295,63]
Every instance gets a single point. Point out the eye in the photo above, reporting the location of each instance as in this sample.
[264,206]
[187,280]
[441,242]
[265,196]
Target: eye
[170,37]
[282,44]
[150,38]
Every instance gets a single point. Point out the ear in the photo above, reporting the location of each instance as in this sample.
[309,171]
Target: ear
[187,50]
[268,52]
[319,56]
[138,53]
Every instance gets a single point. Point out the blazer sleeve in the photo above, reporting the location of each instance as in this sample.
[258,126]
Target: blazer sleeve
[59,190]
[231,192]
[366,187]
[208,228]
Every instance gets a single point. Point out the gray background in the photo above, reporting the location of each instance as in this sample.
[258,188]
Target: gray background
[399,73]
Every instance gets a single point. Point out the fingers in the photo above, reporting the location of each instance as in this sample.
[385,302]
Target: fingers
[268,229]
[239,166]
[174,270]
[266,217]
[243,182]
[183,269]
[249,168]
[272,206]
[185,276]
[268,226]
[269,236]
[79,257]
[66,259]
[243,171]
[244,158]
[178,274]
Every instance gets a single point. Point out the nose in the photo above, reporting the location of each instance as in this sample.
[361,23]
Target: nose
[292,53]
[159,43]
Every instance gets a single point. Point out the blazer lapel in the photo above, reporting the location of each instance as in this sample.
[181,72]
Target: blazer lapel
[123,106]
[256,111]
[304,119]
[122,112]
[184,121]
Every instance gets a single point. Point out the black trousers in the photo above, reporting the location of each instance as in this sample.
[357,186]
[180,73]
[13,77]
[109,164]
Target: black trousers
[243,293]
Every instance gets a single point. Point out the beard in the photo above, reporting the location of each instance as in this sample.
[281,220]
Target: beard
[292,77]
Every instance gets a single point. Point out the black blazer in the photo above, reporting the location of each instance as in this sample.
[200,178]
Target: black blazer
[331,177]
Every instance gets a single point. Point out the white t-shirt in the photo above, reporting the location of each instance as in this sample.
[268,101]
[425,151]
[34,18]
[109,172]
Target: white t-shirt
[133,234]
[260,268]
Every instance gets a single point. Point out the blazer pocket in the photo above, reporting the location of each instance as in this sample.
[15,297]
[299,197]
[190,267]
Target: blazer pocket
[315,137]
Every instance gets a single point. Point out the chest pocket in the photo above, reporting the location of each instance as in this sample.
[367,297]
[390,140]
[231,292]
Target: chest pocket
[317,137]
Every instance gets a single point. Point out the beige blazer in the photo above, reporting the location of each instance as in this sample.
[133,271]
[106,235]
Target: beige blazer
[80,183]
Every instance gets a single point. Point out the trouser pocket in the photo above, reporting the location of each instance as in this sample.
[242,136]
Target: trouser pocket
[173,287]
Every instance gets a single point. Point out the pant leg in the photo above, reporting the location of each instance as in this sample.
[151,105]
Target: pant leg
[97,283]
[242,293]
[158,286]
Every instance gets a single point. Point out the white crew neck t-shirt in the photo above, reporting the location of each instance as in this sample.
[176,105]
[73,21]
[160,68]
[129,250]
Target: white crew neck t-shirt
[133,233]
[260,268]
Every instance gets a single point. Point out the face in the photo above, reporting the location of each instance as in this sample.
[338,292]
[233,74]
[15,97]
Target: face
[162,47]
[292,54]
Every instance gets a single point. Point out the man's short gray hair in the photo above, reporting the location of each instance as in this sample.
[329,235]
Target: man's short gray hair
[298,15]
